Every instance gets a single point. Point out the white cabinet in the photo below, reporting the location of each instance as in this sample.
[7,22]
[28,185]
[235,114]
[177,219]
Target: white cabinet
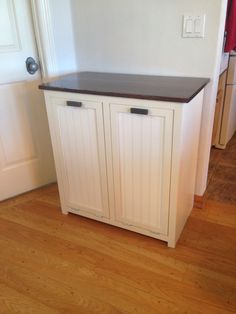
[141,153]
[79,152]
[127,162]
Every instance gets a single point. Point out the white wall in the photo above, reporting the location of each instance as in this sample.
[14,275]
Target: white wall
[144,36]
[63,36]
[54,36]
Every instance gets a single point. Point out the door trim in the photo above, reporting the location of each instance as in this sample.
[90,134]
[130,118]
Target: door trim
[43,28]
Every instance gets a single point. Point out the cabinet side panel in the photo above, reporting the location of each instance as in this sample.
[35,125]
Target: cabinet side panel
[191,123]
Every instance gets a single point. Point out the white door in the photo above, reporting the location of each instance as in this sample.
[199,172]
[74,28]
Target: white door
[141,145]
[79,148]
[26,160]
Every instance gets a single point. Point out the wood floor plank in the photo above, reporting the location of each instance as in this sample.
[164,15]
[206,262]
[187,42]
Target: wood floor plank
[218,213]
[47,191]
[67,228]
[11,301]
[34,283]
[65,278]
[24,236]
[70,264]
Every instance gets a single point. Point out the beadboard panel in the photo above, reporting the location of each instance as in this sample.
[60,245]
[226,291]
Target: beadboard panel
[141,163]
[82,161]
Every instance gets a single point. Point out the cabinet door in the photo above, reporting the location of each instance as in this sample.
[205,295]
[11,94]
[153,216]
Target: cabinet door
[141,148]
[79,151]
[228,126]
[219,109]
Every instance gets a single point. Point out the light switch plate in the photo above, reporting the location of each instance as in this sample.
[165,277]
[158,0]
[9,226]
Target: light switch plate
[194,26]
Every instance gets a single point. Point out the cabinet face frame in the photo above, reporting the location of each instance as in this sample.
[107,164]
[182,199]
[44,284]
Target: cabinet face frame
[159,124]
[56,107]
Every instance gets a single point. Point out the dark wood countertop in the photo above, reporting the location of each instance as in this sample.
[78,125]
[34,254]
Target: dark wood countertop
[163,88]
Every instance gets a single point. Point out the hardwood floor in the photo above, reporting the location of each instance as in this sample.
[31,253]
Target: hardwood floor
[51,263]
[222,174]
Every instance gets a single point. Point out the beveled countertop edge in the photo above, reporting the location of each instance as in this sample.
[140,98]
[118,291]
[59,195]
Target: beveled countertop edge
[123,94]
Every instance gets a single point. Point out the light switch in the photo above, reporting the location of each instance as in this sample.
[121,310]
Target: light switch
[189,26]
[193,26]
[197,25]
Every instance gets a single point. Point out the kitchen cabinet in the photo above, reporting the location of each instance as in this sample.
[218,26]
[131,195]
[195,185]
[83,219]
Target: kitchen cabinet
[219,108]
[124,160]
[225,111]
[141,154]
[79,148]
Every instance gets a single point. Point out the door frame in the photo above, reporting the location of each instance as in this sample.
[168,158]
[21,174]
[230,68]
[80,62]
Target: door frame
[43,30]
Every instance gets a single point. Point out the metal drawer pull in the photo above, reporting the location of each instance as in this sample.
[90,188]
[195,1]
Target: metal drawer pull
[138,111]
[74,103]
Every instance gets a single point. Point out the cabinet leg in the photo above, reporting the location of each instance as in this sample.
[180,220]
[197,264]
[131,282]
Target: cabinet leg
[64,211]
[171,244]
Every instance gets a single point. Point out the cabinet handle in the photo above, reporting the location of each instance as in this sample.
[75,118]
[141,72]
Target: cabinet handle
[74,103]
[139,111]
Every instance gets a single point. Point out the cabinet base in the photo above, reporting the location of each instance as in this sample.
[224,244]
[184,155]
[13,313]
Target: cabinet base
[115,223]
